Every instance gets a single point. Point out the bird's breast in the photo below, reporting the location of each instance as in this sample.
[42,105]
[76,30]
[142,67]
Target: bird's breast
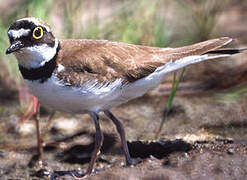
[90,96]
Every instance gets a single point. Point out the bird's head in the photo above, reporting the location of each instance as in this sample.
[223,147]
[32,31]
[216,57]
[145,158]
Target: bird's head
[32,42]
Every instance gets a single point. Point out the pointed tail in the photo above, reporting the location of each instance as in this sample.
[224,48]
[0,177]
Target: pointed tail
[192,59]
[226,51]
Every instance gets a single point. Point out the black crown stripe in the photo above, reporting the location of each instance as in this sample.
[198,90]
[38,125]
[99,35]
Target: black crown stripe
[42,73]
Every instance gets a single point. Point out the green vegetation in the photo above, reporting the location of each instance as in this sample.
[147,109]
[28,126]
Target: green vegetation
[140,23]
[233,94]
[175,84]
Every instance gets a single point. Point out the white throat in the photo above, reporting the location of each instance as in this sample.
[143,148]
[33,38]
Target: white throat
[36,56]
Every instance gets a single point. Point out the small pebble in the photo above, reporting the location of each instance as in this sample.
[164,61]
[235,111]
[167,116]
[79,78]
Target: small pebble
[230,151]
[152,157]
[186,155]
[122,164]
[109,166]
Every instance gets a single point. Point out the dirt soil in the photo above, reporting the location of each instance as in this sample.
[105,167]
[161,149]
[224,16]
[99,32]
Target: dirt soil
[203,138]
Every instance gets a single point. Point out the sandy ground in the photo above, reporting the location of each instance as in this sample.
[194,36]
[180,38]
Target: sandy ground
[204,137]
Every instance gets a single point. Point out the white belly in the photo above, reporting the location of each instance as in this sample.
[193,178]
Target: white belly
[90,97]
[93,96]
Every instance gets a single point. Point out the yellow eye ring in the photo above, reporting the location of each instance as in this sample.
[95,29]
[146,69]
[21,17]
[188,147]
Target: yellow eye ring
[39,31]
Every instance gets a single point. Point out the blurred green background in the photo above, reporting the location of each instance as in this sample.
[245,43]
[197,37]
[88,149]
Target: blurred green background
[148,22]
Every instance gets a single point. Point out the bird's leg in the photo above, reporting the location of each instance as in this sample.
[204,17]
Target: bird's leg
[98,143]
[99,137]
[130,161]
[49,123]
[37,121]
[31,111]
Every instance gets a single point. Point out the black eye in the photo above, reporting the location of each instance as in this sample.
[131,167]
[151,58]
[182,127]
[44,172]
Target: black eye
[38,33]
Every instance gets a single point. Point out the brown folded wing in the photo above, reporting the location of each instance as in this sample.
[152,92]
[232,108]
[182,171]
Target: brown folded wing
[105,61]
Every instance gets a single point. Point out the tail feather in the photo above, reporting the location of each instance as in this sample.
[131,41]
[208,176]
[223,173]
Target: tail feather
[175,59]
[180,63]
[197,49]
[226,51]
[181,57]
[172,59]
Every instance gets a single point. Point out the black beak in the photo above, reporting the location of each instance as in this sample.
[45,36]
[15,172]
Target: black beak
[15,46]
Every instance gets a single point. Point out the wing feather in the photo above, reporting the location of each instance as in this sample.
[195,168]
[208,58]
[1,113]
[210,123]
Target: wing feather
[108,61]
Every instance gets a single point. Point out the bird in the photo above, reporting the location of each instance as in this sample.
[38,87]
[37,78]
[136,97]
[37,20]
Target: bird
[92,76]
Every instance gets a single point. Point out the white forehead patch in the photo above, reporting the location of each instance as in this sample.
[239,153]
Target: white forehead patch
[18,33]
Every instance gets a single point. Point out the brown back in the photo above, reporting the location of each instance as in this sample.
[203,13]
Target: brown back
[107,61]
